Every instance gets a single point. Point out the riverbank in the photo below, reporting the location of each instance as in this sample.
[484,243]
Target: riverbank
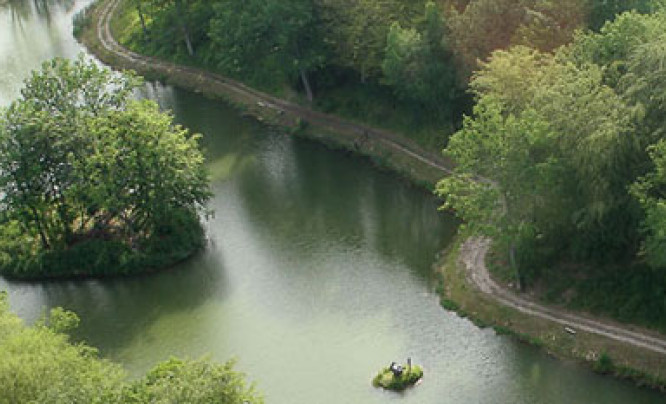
[387,150]
[463,291]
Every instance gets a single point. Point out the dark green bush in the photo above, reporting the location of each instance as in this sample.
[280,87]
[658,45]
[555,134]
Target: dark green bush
[178,237]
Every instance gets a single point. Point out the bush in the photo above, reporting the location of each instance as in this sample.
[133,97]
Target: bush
[177,238]
[604,364]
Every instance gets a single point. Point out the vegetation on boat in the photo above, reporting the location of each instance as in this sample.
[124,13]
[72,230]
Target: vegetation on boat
[398,377]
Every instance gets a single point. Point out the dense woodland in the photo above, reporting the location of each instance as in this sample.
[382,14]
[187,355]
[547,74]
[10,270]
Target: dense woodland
[364,59]
[558,107]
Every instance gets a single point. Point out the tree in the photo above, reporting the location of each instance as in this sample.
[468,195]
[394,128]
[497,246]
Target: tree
[176,29]
[357,32]
[41,136]
[197,382]
[38,364]
[548,140]
[418,65]
[612,47]
[80,161]
[650,191]
[246,34]
[504,175]
[602,11]
[481,27]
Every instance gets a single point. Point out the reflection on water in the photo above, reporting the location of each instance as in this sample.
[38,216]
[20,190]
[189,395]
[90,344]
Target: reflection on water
[32,31]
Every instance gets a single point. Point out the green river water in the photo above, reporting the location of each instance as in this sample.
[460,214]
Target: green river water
[319,270]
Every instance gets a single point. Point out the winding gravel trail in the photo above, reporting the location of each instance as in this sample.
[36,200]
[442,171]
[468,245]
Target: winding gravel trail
[473,257]
[473,251]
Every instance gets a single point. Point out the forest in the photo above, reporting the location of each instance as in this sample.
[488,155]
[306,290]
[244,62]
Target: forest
[403,65]
[551,110]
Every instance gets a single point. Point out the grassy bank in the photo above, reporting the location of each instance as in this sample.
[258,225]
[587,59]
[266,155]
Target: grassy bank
[599,353]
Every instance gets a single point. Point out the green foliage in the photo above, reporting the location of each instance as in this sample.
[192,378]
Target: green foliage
[81,21]
[191,382]
[387,380]
[547,140]
[62,321]
[38,364]
[602,11]
[604,364]
[418,66]
[650,191]
[331,51]
[90,178]
[256,34]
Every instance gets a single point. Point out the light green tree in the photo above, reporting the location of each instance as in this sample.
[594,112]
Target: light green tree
[39,364]
[504,175]
[650,190]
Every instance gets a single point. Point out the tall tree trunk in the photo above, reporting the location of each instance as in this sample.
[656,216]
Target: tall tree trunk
[514,265]
[183,27]
[306,84]
[40,229]
[143,21]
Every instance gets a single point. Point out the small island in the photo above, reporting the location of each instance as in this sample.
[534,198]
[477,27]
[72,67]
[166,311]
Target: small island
[398,377]
[95,183]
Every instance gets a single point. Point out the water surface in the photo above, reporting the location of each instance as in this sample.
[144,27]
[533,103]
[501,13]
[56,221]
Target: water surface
[318,273]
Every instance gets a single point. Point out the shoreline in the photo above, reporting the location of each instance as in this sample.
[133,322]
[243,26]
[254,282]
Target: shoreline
[386,150]
[460,292]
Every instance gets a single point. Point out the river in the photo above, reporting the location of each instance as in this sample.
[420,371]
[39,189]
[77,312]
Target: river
[319,270]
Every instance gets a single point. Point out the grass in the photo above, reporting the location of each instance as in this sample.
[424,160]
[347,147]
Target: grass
[375,105]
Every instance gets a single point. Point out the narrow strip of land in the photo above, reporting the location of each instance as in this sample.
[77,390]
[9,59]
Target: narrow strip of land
[473,251]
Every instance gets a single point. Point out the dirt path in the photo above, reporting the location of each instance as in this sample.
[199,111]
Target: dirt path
[473,251]
[472,255]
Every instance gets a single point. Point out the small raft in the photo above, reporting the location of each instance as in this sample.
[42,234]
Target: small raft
[398,377]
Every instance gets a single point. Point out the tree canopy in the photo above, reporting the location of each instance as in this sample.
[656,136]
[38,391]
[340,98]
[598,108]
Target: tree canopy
[81,162]
[571,147]
[39,364]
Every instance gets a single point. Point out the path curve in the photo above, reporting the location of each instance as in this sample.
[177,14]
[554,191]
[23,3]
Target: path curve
[473,251]
[473,257]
